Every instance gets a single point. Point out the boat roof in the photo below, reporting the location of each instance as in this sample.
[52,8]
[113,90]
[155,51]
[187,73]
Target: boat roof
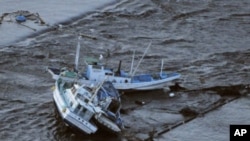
[91,60]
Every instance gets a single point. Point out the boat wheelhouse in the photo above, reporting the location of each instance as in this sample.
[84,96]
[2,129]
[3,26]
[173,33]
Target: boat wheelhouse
[89,105]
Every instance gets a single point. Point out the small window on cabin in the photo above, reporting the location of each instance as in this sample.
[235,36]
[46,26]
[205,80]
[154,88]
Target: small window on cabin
[78,108]
[109,74]
[67,85]
[84,110]
[73,90]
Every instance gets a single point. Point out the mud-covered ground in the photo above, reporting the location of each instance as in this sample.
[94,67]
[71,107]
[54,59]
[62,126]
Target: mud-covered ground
[206,41]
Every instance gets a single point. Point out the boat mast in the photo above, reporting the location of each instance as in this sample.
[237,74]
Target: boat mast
[141,59]
[132,63]
[77,53]
[161,66]
[96,90]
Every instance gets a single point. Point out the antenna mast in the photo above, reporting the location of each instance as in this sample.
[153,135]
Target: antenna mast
[141,58]
[77,53]
[132,63]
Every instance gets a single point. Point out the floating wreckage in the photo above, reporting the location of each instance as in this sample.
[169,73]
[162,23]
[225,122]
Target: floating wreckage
[88,107]
[22,16]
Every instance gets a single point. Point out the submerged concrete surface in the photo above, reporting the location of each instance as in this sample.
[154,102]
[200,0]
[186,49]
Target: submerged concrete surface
[52,12]
[213,126]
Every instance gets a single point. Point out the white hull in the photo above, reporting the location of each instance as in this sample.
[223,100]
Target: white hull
[152,85]
[70,117]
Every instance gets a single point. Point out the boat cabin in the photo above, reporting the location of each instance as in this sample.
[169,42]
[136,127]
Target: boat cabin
[78,98]
[97,72]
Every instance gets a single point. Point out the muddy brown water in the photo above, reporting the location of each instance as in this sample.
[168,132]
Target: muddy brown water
[206,41]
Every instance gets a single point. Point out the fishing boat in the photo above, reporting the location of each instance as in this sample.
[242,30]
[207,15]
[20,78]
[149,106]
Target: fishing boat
[122,80]
[88,107]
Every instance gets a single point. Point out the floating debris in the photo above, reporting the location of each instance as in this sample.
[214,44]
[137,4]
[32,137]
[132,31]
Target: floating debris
[139,102]
[171,95]
[22,16]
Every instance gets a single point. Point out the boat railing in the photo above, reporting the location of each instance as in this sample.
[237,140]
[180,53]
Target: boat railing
[142,78]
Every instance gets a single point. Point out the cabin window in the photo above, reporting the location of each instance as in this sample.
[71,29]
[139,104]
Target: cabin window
[67,85]
[77,109]
[108,73]
[85,114]
[82,112]
[73,90]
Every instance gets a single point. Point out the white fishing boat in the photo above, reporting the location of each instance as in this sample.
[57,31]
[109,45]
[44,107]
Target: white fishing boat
[96,71]
[88,107]
[124,81]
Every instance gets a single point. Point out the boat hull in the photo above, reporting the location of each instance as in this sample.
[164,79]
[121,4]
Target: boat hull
[151,85]
[69,117]
[107,124]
